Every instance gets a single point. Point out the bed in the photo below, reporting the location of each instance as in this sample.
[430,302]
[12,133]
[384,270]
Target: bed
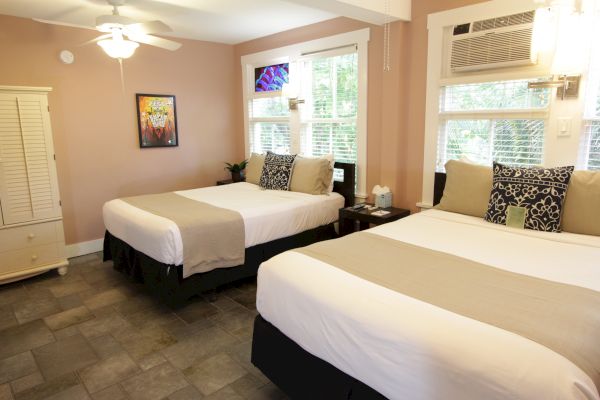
[323,332]
[149,247]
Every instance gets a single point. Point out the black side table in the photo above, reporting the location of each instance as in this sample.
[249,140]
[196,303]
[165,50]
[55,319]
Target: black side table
[348,218]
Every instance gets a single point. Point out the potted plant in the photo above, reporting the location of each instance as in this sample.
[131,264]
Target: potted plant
[237,170]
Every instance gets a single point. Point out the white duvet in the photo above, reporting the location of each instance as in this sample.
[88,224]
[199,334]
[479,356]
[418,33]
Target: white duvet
[408,349]
[267,214]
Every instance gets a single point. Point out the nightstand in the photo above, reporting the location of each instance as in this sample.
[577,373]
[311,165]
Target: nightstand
[365,217]
[225,182]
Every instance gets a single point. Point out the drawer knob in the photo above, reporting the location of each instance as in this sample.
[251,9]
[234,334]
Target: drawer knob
[31,236]
[34,257]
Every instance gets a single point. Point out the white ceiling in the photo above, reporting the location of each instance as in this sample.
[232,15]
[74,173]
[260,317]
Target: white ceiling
[225,21]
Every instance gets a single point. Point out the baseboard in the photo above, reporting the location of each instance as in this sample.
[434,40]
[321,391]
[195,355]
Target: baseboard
[83,248]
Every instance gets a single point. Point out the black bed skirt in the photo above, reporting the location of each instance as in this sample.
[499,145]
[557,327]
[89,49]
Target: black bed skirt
[167,282]
[298,373]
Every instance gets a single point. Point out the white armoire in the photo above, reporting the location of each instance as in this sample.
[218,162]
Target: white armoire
[31,230]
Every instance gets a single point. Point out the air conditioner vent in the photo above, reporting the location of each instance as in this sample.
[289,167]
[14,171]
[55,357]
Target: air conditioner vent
[502,22]
[492,50]
[493,43]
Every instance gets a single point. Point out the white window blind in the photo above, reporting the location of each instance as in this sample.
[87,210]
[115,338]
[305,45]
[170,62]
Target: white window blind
[329,117]
[591,146]
[269,125]
[589,154]
[492,121]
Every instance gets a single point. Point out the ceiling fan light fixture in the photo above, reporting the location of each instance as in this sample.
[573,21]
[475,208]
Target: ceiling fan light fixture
[118,48]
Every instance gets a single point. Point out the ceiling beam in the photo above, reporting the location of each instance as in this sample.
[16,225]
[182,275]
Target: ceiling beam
[371,11]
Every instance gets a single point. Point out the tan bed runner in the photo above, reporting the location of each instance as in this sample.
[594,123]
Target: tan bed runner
[562,317]
[212,237]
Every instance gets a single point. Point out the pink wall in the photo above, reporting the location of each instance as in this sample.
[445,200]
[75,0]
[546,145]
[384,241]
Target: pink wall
[94,123]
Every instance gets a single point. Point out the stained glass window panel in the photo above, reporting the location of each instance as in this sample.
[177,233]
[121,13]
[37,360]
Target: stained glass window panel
[271,78]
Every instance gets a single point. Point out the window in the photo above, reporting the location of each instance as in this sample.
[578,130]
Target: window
[589,154]
[591,146]
[329,117]
[492,121]
[332,117]
[327,122]
[269,125]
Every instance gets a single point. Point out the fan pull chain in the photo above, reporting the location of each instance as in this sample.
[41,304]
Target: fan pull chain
[386,37]
[122,76]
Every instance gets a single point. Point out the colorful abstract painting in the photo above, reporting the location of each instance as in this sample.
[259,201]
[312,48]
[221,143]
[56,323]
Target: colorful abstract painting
[157,120]
[271,78]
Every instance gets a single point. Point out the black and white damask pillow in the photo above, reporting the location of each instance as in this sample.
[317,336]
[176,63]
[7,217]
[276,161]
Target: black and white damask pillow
[277,171]
[537,194]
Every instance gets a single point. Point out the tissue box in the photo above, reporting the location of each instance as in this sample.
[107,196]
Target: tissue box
[383,200]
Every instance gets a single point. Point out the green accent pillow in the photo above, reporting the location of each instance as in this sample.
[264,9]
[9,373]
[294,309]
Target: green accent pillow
[515,217]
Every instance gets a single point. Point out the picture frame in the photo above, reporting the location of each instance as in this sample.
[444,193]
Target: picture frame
[157,120]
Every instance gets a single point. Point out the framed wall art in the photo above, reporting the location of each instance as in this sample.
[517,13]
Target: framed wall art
[157,120]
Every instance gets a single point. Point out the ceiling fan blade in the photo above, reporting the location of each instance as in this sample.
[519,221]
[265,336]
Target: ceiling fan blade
[99,38]
[46,21]
[144,28]
[155,41]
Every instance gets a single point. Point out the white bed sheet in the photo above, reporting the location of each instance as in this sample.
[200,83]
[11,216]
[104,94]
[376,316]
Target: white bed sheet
[267,214]
[408,349]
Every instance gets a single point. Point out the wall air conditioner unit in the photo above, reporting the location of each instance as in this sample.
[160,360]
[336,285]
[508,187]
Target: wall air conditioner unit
[493,43]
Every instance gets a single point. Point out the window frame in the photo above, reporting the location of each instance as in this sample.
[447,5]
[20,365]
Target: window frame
[295,53]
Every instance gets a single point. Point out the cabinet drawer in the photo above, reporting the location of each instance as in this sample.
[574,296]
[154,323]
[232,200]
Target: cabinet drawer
[21,237]
[30,257]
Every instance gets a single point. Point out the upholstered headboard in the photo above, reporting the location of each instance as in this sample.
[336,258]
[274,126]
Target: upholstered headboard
[438,187]
[346,187]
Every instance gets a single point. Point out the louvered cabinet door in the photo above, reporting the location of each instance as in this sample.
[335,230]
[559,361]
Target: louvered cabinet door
[28,189]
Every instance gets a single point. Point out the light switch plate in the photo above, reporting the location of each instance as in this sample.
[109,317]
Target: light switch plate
[564,127]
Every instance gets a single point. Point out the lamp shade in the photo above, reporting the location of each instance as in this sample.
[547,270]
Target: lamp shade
[544,31]
[569,54]
[118,48]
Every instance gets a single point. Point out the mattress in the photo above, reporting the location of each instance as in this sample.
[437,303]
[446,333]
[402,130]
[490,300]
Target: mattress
[268,215]
[408,349]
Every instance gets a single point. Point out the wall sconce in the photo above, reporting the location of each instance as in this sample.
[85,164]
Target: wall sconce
[291,92]
[567,85]
[561,27]
[293,103]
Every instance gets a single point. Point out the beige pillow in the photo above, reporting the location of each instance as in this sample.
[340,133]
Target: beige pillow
[468,188]
[311,175]
[581,212]
[254,168]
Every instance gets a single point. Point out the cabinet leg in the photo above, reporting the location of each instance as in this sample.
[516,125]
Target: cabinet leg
[62,271]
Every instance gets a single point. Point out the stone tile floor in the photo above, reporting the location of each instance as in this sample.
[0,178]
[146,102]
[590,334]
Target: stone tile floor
[94,334]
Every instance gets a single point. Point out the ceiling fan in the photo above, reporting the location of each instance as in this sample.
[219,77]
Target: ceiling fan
[123,35]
